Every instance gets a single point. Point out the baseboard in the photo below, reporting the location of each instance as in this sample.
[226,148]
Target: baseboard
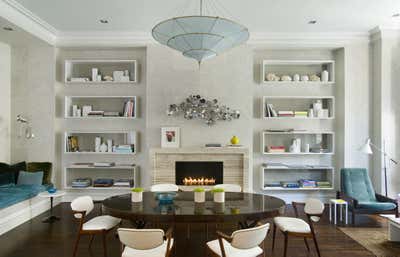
[15,215]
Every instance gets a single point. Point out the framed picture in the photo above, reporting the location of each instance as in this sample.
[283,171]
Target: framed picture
[170,137]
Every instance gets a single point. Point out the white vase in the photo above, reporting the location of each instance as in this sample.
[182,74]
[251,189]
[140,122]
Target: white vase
[136,197]
[296,77]
[109,145]
[325,76]
[219,197]
[97,143]
[103,148]
[199,197]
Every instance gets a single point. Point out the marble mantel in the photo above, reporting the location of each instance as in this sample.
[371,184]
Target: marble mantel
[235,162]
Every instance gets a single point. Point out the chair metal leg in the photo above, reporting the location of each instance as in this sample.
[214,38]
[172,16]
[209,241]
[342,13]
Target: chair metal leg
[76,245]
[91,240]
[305,241]
[273,236]
[353,218]
[104,243]
[316,245]
[286,245]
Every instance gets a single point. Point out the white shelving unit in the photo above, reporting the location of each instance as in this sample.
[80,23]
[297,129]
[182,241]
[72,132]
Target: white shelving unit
[301,67]
[86,141]
[322,138]
[74,171]
[275,174]
[297,103]
[83,69]
[99,103]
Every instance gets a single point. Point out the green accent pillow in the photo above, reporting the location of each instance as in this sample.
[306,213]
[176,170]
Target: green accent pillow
[30,178]
[45,167]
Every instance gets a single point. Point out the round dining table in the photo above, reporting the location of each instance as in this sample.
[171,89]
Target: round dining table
[238,207]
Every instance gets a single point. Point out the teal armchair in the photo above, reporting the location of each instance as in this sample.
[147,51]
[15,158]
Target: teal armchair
[357,190]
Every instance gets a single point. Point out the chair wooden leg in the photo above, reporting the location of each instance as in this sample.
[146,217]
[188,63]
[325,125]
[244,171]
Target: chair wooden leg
[316,245]
[305,241]
[353,218]
[286,245]
[76,245]
[104,243]
[91,240]
[273,236]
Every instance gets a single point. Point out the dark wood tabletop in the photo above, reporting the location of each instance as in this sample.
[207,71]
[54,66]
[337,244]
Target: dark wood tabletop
[238,207]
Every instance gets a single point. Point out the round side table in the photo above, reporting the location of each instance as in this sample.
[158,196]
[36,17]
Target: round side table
[46,194]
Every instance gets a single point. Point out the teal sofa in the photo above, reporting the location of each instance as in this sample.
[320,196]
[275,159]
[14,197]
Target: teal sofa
[357,190]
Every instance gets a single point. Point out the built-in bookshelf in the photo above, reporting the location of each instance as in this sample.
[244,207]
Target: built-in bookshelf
[285,69]
[274,177]
[115,142]
[100,107]
[92,71]
[298,107]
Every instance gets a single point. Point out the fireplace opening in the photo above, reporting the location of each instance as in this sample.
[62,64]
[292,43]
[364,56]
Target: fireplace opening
[198,173]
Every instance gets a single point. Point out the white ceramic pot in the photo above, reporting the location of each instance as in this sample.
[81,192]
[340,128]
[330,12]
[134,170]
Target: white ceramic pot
[219,197]
[136,197]
[199,197]
[325,76]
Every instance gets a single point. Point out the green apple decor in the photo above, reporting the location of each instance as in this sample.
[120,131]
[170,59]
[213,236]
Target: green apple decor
[219,195]
[137,194]
[199,195]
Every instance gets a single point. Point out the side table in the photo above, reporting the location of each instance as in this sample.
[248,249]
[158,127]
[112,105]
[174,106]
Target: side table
[46,194]
[341,203]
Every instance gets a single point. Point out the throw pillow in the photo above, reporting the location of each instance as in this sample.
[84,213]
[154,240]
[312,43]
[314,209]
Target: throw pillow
[30,178]
[9,173]
[45,167]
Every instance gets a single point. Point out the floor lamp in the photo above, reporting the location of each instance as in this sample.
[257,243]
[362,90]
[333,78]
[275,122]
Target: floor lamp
[368,150]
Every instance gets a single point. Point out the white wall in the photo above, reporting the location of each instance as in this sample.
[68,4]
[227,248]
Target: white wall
[5,102]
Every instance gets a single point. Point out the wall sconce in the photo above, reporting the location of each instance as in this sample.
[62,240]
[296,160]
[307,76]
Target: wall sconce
[24,127]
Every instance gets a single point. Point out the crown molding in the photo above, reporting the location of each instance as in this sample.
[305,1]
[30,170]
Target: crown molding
[384,32]
[26,20]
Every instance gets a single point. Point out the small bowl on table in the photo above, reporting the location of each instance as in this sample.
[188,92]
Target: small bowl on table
[52,190]
[165,198]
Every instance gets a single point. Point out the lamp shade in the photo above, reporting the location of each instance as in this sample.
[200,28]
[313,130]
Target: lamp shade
[366,148]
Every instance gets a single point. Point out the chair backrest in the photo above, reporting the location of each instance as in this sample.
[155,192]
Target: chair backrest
[82,203]
[164,188]
[141,239]
[229,187]
[356,183]
[249,238]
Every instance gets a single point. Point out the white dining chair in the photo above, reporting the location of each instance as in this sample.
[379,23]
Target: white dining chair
[145,242]
[229,187]
[100,225]
[297,227]
[164,188]
[243,243]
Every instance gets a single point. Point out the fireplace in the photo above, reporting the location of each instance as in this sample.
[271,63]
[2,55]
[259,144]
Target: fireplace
[191,173]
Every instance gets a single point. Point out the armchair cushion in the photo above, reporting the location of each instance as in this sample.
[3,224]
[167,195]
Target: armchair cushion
[356,183]
[154,252]
[376,206]
[232,251]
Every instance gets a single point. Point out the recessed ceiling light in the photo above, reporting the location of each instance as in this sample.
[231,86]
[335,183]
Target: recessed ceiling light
[104,21]
[312,22]
[8,28]
[396,15]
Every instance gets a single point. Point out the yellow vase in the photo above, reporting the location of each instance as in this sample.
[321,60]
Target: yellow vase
[234,140]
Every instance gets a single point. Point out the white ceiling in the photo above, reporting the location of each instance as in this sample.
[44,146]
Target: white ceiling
[261,16]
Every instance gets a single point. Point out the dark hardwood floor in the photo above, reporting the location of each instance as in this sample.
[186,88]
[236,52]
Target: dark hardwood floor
[37,239]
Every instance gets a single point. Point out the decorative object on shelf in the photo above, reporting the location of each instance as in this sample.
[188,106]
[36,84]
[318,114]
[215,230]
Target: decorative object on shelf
[286,78]
[199,195]
[296,77]
[137,195]
[272,77]
[86,109]
[200,36]
[74,110]
[311,113]
[97,143]
[315,78]
[317,106]
[109,145]
[324,76]
[24,127]
[95,72]
[170,137]
[366,148]
[219,195]
[108,78]
[117,76]
[304,78]
[235,140]
[103,148]
[197,107]
[78,112]
[295,147]
[72,144]
[213,145]
[307,148]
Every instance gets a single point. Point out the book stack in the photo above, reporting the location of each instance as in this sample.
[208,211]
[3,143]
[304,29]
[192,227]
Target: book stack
[81,182]
[103,182]
[290,184]
[95,113]
[111,114]
[301,114]
[276,149]
[270,111]
[129,109]
[273,184]
[124,149]
[308,183]
[324,184]
[104,164]
[72,144]
[123,182]
[285,114]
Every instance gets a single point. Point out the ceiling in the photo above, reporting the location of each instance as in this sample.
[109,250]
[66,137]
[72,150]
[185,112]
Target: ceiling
[17,37]
[261,16]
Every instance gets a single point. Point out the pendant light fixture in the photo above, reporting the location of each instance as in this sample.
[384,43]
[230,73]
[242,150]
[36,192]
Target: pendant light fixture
[200,36]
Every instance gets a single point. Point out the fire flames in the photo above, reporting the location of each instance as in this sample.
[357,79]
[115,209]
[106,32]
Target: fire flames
[198,181]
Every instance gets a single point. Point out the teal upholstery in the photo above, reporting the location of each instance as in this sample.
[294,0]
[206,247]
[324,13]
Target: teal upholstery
[376,206]
[356,184]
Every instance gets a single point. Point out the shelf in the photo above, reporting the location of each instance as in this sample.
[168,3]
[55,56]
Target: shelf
[97,188]
[295,189]
[99,153]
[101,118]
[288,153]
[298,168]
[116,167]
[298,83]
[100,83]
[297,118]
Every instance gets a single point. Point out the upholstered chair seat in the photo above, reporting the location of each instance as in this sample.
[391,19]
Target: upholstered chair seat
[104,222]
[231,251]
[159,251]
[294,225]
